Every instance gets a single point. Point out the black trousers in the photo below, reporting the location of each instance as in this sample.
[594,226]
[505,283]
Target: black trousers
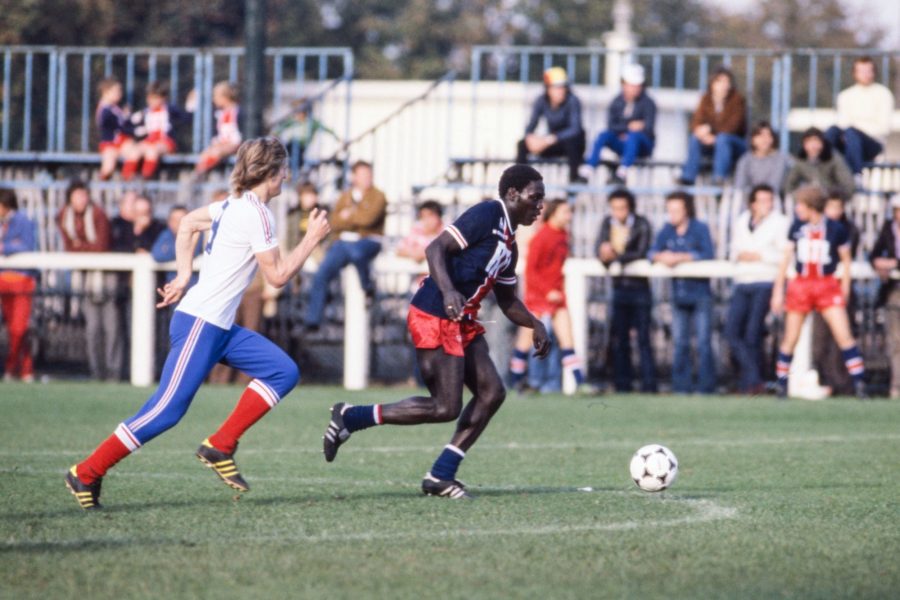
[572,149]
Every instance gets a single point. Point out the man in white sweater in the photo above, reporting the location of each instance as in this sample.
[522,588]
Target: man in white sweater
[758,238]
[864,112]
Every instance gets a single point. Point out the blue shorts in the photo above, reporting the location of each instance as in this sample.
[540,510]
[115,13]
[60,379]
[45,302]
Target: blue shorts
[196,346]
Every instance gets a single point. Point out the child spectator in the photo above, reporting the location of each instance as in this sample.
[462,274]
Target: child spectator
[717,128]
[819,165]
[114,126]
[154,127]
[764,164]
[685,239]
[625,237]
[757,245]
[561,110]
[819,244]
[297,131]
[864,113]
[228,133]
[427,227]
[630,123]
[16,287]
[884,257]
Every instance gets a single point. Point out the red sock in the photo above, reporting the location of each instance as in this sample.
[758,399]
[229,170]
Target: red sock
[129,169]
[257,400]
[148,170]
[108,453]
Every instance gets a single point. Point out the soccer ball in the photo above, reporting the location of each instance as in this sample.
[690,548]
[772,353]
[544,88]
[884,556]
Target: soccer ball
[654,468]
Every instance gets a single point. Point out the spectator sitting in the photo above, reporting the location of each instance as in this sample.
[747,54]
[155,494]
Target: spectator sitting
[884,259]
[630,123]
[757,246]
[427,227]
[298,215]
[84,227]
[16,287]
[819,165]
[764,164]
[163,249]
[717,127]
[228,133]
[154,127]
[358,220]
[625,237]
[113,125]
[561,110]
[864,113]
[298,129]
[685,239]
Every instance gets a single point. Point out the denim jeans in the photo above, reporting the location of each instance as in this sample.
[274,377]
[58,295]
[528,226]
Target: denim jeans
[341,253]
[857,147]
[726,150]
[545,374]
[631,310]
[635,145]
[744,330]
[700,312]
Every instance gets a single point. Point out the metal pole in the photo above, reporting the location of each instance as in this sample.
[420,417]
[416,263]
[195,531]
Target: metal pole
[255,61]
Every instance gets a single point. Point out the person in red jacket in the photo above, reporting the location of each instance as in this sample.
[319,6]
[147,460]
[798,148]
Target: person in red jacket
[545,293]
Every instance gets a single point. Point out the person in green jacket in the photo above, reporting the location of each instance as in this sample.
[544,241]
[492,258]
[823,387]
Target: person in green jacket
[818,164]
[297,130]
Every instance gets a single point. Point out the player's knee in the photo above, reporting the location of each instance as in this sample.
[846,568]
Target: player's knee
[446,411]
[286,377]
[495,396]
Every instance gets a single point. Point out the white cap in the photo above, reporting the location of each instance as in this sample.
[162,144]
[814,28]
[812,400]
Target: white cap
[633,74]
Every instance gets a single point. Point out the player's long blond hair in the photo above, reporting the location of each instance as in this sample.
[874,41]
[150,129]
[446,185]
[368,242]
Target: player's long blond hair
[257,160]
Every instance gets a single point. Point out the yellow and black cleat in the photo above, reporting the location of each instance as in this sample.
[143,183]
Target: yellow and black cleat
[88,495]
[223,464]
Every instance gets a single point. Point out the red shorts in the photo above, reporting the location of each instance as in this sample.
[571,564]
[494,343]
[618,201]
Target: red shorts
[429,332]
[805,294]
[116,143]
[163,140]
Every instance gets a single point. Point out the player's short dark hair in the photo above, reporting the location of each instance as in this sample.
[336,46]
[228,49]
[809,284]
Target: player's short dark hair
[836,194]
[762,187]
[361,164]
[74,186]
[432,206]
[813,196]
[158,88]
[8,199]
[825,155]
[623,194]
[686,199]
[551,206]
[760,126]
[517,177]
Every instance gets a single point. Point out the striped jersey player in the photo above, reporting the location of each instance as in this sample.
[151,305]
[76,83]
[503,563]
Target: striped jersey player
[202,332]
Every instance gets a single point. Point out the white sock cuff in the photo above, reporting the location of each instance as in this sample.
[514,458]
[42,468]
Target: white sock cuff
[453,448]
[127,438]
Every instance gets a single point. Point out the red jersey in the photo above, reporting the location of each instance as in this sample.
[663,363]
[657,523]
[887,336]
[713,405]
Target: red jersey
[547,254]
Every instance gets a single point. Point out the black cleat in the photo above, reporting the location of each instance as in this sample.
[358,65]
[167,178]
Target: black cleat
[859,390]
[454,489]
[336,433]
[88,495]
[781,390]
[223,464]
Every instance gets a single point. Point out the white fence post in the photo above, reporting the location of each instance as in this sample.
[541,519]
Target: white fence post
[356,332]
[576,299]
[143,321]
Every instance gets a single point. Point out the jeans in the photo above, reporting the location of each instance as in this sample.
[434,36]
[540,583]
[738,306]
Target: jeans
[545,374]
[726,150]
[857,147]
[700,311]
[572,149]
[635,145]
[631,310]
[340,254]
[744,330]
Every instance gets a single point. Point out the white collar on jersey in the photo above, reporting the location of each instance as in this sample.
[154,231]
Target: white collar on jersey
[506,214]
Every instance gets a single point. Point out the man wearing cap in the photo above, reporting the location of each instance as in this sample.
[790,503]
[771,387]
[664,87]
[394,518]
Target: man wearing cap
[561,110]
[630,121]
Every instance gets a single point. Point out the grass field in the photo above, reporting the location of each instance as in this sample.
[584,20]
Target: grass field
[792,500]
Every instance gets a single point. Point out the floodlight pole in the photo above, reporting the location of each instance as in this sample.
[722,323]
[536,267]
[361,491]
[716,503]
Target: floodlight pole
[255,66]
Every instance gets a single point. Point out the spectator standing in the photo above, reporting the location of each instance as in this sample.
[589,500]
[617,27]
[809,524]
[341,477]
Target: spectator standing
[84,227]
[864,113]
[298,130]
[717,127]
[884,257]
[113,125]
[630,123]
[16,287]
[561,110]
[757,246]
[625,237]
[685,239]
[155,128]
[228,133]
[358,220]
[764,164]
[818,164]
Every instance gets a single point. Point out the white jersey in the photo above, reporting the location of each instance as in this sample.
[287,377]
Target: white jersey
[242,227]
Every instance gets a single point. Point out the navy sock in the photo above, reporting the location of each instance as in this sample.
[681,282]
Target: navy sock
[518,365]
[447,463]
[362,417]
[854,362]
[572,363]
[783,366]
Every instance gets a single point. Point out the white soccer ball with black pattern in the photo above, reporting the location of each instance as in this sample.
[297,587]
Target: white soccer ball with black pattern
[654,468]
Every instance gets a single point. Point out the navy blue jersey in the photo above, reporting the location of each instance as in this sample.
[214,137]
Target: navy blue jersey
[111,121]
[488,255]
[816,246]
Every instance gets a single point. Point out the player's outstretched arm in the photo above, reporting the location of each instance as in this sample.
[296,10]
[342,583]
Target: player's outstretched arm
[189,230]
[437,253]
[279,270]
[516,312]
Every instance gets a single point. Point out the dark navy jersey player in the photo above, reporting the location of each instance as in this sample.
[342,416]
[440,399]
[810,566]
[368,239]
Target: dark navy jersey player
[471,257]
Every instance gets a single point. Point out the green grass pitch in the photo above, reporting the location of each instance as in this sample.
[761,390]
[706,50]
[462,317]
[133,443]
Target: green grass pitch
[773,500]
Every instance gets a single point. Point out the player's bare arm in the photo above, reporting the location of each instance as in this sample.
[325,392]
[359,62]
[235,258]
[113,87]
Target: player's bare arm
[278,270]
[516,312]
[437,254]
[777,302]
[846,262]
[192,225]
